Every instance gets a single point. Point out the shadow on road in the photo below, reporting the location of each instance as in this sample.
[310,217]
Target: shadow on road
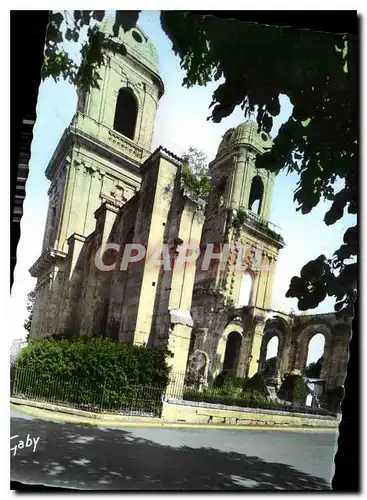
[88,457]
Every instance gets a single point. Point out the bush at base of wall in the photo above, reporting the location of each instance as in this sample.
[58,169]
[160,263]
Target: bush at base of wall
[251,399]
[293,389]
[228,379]
[256,384]
[92,371]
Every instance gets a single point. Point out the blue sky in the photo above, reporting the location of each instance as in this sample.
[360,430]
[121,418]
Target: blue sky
[181,123]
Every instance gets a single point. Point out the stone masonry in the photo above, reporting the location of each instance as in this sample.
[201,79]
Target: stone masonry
[108,190]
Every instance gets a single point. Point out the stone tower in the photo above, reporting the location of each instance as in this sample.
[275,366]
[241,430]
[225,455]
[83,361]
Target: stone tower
[237,213]
[97,160]
[238,210]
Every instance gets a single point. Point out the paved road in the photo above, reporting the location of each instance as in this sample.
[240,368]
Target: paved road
[96,458]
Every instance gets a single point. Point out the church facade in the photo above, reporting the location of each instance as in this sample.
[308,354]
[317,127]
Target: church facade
[109,192]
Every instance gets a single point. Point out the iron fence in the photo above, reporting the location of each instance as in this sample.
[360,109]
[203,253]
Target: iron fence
[88,395]
[235,395]
[106,396]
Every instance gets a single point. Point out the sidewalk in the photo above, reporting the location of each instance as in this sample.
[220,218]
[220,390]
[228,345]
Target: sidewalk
[48,411]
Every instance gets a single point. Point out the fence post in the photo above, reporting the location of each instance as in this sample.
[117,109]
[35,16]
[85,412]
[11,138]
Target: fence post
[103,394]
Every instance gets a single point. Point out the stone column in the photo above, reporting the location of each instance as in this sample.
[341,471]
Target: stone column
[73,279]
[238,181]
[256,346]
[178,344]
[336,371]
[325,368]
[243,365]
[250,171]
[268,292]
[285,357]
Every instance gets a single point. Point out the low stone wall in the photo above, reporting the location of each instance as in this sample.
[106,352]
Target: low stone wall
[84,415]
[203,413]
[187,413]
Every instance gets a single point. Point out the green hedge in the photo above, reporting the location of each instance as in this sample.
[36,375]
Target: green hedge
[93,372]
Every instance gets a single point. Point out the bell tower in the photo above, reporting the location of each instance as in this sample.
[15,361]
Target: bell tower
[98,157]
[97,160]
[238,212]
[129,91]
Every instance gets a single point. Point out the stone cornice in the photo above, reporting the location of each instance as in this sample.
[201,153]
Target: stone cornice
[253,227]
[237,150]
[107,206]
[61,151]
[75,137]
[76,237]
[108,153]
[161,152]
[48,257]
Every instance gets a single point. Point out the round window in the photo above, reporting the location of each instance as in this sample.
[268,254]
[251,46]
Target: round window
[137,37]
[264,137]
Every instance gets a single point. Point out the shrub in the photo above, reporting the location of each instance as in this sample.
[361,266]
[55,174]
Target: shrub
[255,384]
[229,380]
[337,393]
[252,399]
[293,389]
[91,371]
[333,398]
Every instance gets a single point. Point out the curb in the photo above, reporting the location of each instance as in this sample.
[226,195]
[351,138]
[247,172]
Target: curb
[46,411]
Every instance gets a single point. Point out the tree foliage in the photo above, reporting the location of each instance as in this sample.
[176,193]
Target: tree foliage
[318,72]
[270,366]
[256,64]
[195,174]
[313,370]
[69,26]
[30,303]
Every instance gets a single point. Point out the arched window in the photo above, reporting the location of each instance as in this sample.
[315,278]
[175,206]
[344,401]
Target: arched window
[256,195]
[315,356]
[232,353]
[126,113]
[244,295]
[271,357]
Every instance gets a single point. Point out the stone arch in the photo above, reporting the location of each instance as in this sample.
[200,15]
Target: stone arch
[315,340]
[304,338]
[232,352]
[256,195]
[273,346]
[222,345]
[269,334]
[206,364]
[198,366]
[126,112]
[279,323]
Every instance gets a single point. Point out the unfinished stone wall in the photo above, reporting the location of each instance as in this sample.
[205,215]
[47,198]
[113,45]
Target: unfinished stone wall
[48,291]
[159,178]
[122,234]
[294,337]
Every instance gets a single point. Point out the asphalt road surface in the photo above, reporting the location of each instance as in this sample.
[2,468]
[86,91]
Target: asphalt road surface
[97,458]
